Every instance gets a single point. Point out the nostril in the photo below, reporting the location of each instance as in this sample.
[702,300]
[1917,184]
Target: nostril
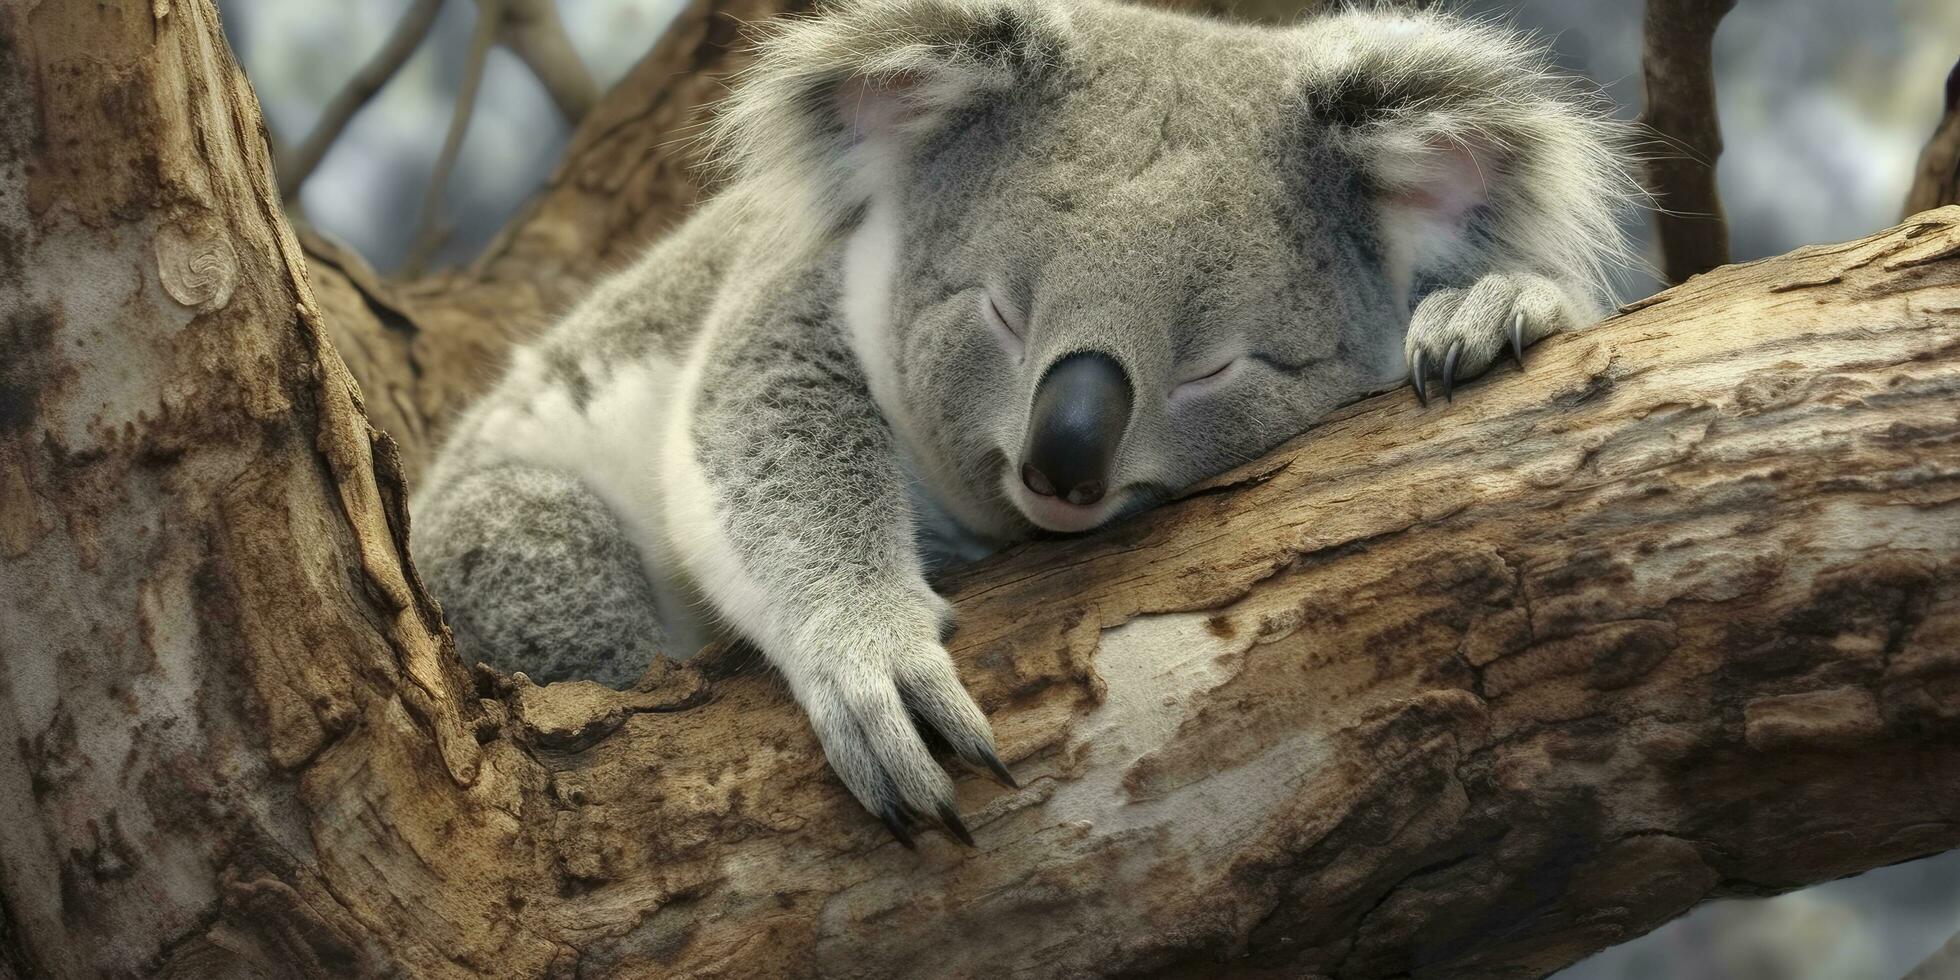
[1037,481]
[1085,494]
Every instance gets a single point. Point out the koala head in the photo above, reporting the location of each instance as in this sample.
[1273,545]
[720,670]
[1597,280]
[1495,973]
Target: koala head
[1091,253]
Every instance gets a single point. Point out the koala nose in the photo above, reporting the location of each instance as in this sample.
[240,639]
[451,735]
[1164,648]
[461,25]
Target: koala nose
[1080,411]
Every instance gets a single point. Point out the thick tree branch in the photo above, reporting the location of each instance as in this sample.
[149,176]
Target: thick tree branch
[1467,692]
[1936,181]
[295,167]
[1678,73]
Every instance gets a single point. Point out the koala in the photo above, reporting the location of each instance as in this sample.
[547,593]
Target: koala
[984,270]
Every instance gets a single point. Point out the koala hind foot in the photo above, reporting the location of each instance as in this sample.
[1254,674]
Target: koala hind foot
[535,575]
[1457,334]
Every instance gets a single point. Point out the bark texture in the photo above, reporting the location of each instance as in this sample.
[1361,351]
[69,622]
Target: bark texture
[1462,692]
[1677,70]
[1936,180]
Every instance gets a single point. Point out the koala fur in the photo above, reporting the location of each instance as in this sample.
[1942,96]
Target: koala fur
[826,382]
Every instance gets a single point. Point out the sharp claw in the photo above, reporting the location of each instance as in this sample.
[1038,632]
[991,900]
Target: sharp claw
[1517,339]
[998,768]
[951,818]
[1418,380]
[897,827]
[1449,371]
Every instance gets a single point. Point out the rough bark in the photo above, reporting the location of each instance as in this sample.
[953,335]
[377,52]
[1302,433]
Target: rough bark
[1936,180]
[1677,69]
[1462,692]
[207,615]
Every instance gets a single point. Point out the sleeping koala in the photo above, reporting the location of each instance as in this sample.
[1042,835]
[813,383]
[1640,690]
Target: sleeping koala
[989,268]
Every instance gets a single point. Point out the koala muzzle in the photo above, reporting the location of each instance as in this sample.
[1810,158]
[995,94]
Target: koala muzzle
[1081,409]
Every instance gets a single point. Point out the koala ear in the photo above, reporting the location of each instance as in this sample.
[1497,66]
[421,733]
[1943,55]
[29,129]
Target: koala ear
[835,100]
[1478,152]
[1436,180]
[1429,189]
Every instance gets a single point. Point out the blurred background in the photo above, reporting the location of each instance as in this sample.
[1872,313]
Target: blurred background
[1824,107]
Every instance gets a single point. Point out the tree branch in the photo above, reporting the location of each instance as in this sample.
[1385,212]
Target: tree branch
[1678,74]
[1466,692]
[430,231]
[1936,180]
[294,168]
[533,31]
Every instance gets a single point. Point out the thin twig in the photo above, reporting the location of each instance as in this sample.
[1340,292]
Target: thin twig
[533,31]
[1678,68]
[428,228]
[295,167]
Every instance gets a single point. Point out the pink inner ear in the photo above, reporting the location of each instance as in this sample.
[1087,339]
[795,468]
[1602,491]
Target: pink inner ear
[1448,183]
[873,107]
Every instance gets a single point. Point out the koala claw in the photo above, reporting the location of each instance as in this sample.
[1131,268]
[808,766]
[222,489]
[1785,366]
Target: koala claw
[1468,330]
[998,768]
[897,825]
[951,818]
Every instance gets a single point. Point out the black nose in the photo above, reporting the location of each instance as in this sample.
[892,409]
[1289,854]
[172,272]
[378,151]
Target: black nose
[1081,408]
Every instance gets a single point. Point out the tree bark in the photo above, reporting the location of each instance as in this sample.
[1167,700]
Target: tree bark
[1461,692]
[1677,69]
[1936,180]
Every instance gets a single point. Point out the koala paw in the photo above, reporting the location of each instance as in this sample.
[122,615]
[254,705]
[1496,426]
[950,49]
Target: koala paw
[1458,333]
[866,706]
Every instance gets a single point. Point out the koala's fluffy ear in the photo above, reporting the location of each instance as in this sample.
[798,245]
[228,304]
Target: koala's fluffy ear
[835,97]
[1480,154]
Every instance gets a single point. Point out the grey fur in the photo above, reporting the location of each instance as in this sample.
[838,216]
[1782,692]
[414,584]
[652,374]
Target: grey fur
[806,386]
[586,609]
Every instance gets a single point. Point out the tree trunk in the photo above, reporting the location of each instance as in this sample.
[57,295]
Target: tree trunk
[1470,691]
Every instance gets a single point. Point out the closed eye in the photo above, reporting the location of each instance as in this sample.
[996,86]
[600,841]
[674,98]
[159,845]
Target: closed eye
[1010,334]
[1199,384]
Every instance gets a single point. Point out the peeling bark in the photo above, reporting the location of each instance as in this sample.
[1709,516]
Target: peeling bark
[1462,692]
